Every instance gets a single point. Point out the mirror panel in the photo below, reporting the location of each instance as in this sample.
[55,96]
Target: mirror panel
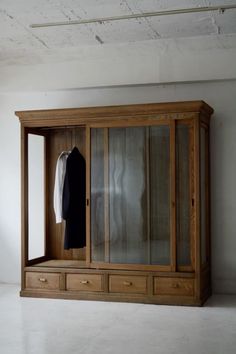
[36,196]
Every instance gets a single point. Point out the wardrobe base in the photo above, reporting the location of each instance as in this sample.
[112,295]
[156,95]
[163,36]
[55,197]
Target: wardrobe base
[160,300]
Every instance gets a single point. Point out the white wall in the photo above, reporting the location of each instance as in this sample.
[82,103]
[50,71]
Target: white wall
[144,62]
[220,95]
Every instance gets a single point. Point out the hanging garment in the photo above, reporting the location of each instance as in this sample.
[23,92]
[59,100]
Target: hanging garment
[74,201]
[58,185]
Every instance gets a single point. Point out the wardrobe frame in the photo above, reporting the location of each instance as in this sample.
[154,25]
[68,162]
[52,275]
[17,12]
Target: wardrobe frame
[187,285]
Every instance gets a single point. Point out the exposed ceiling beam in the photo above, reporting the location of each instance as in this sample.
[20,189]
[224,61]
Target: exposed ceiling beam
[220,8]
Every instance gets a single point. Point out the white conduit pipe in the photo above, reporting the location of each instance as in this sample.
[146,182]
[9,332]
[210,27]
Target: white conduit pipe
[220,8]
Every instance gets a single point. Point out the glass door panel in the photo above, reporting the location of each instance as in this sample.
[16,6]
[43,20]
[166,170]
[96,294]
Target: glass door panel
[160,194]
[97,196]
[127,195]
[130,195]
[183,194]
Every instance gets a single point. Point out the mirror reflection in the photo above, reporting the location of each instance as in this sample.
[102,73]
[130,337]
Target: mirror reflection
[36,207]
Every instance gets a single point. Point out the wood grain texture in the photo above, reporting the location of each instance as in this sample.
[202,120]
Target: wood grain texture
[82,116]
[46,281]
[127,284]
[145,283]
[73,266]
[173,240]
[134,298]
[197,210]
[173,286]
[84,282]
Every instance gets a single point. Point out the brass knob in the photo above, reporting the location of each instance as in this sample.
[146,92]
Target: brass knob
[127,283]
[176,286]
[84,282]
[43,280]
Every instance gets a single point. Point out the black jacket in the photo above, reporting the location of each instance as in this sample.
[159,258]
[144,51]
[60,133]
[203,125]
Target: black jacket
[74,201]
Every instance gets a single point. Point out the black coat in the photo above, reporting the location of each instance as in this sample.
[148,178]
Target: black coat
[74,201]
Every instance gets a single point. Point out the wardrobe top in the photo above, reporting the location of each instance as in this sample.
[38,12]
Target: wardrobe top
[85,115]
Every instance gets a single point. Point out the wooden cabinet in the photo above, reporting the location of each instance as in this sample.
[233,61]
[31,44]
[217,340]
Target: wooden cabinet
[147,203]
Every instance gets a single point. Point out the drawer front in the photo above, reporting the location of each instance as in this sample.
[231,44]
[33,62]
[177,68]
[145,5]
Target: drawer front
[47,281]
[84,282]
[173,286]
[128,284]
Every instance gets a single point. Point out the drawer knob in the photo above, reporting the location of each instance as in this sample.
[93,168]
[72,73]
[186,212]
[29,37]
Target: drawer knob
[43,280]
[127,283]
[176,286]
[84,282]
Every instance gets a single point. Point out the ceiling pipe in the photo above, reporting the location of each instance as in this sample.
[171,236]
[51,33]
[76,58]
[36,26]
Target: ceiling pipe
[220,8]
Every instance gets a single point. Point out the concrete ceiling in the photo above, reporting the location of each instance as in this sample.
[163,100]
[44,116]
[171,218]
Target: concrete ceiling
[19,43]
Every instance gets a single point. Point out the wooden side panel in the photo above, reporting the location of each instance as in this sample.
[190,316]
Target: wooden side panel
[205,283]
[197,207]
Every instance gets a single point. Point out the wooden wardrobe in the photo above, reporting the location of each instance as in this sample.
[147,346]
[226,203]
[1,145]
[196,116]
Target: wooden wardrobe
[147,203]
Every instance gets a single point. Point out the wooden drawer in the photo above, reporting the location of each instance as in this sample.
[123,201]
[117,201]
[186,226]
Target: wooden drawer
[84,282]
[47,281]
[128,284]
[173,286]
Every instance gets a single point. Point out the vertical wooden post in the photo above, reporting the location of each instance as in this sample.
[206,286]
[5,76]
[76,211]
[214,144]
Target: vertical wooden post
[24,204]
[148,214]
[197,174]
[88,182]
[192,196]
[46,203]
[173,243]
[208,204]
[106,195]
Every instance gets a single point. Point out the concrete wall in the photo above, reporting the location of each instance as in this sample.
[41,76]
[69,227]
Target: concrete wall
[145,62]
[220,95]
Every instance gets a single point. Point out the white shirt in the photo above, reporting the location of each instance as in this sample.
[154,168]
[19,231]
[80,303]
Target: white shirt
[59,183]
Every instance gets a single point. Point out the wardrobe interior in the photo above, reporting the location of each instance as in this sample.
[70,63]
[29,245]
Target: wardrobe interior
[51,142]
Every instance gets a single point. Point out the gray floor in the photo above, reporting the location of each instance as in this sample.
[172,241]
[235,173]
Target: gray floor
[41,326]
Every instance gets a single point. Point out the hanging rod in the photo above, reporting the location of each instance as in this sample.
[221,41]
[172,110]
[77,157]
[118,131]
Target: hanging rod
[220,8]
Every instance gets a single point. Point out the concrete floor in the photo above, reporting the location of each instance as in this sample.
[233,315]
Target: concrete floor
[42,326]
